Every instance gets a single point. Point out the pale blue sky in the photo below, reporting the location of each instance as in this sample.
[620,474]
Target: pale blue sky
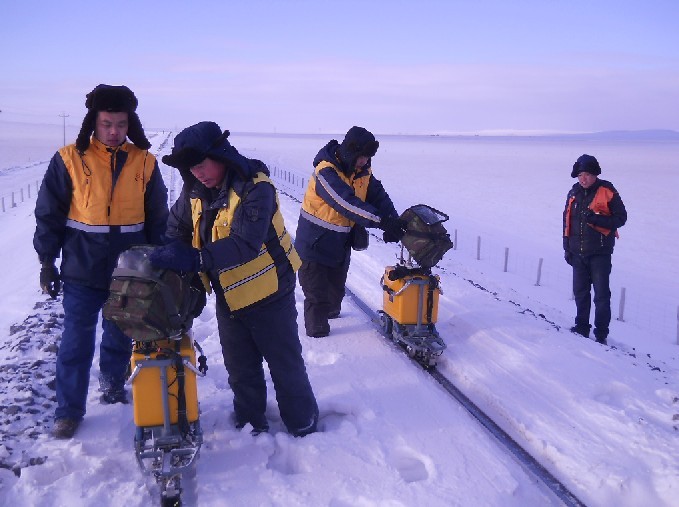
[323,66]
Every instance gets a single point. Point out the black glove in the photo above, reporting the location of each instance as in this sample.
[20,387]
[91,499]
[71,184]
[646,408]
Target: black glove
[49,279]
[177,256]
[568,256]
[394,229]
[588,215]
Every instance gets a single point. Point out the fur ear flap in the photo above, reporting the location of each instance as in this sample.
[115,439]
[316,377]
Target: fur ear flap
[135,132]
[83,140]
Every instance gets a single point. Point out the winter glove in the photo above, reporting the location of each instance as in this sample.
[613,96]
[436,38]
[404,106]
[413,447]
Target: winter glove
[588,215]
[394,229]
[177,256]
[568,256]
[593,218]
[49,279]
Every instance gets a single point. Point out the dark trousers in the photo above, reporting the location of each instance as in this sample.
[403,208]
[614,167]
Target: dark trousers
[323,288]
[592,271]
[267,332]
[74,359]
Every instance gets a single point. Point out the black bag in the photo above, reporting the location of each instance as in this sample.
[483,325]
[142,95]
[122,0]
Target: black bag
[426,239]
[149,304]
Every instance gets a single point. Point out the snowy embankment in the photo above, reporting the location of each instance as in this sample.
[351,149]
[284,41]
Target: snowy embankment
[601,419]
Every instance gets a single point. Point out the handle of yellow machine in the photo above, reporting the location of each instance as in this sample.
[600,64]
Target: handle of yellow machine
[190,366]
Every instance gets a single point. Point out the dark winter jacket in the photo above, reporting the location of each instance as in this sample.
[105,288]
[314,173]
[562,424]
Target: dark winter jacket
[589,231]
[90,208]
[251,232]
[336,198]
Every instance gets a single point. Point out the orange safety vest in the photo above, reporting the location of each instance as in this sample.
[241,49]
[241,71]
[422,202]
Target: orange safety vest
[96,204]
[599,205]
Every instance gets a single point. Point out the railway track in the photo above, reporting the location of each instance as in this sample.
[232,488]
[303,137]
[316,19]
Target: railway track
[532,466]
[527,461]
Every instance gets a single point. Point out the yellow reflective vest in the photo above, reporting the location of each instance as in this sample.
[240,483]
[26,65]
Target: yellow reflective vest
[253,280]
[314,205]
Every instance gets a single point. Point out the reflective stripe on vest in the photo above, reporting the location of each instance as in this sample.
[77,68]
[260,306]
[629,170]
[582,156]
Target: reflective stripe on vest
[103,228]
[316,210]
[256,279]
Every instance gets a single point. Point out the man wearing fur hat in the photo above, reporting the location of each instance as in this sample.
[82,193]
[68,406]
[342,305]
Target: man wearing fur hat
[594,211]
[342,199]
[98,197]
[227,225]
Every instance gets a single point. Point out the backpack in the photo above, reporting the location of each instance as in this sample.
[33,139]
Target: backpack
[426,239]
[148,303]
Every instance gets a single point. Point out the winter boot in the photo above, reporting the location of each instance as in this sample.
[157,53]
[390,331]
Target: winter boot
[581,330]
[319,331]
[261,427]
[114,396]
[601,337]
[65,428]
[113,392]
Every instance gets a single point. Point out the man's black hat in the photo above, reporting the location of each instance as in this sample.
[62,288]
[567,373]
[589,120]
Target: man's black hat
[586,164]
[112,99]
[204,140]
[357,142]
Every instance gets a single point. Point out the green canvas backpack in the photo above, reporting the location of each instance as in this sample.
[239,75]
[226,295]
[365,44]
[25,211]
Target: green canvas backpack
[426,239]
[148,303]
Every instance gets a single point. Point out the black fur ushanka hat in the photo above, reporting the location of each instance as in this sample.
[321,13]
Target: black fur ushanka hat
[357,142]
[113,99]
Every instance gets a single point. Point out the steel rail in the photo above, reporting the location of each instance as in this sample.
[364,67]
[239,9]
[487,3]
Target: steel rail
[525,459]
[528,462]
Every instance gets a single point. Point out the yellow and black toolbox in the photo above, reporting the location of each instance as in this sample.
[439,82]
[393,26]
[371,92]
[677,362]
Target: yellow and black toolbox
[410,296]
[161,367]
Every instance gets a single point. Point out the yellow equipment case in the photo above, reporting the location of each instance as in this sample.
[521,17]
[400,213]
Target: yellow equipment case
[404,299]
[155,361]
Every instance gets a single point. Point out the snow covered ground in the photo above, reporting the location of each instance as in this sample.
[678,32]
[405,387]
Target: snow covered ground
[604,420]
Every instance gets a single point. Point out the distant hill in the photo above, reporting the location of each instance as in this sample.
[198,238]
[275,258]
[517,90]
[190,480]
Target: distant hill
[640,135]
[656,134]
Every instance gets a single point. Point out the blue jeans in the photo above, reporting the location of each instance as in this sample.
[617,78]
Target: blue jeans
[592,271]
[81,311]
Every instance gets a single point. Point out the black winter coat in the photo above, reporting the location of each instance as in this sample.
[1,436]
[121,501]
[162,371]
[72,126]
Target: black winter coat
[250,228]
[583,239]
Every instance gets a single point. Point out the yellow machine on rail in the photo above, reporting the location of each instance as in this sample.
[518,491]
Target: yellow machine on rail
[156,309]
[410,290]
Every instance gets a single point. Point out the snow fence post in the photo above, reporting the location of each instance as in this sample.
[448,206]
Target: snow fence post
[621,308]
[14,204]
[3,204]
[478,248]
[455,240]
[506,257]
[537,283]
[677,325]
